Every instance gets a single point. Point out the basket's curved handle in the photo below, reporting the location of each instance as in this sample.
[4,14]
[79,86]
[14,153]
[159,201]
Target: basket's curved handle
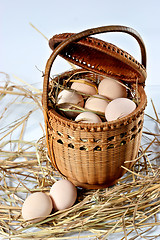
[78,36]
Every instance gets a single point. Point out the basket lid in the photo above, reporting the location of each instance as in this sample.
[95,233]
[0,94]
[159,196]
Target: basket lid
[100,57]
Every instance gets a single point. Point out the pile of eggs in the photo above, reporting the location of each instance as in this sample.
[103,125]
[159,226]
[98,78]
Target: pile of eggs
[39,205]
[108,98]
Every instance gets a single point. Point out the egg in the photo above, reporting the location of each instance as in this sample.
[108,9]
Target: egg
[63,194]
[88,117]
[111,89]
[85,86]
[97,103]
[37,207]
[66,97]
[118,108]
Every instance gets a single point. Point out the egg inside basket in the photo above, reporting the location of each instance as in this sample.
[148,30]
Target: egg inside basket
[94,155]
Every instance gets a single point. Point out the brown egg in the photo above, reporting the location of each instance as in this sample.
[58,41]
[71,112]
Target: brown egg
[36,207]
[118,108]
[97,103]
[85,86]
[63,194]
[66,97]
[88,117]
[111,89]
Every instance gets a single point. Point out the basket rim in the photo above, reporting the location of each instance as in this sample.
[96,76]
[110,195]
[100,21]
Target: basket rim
[109,125]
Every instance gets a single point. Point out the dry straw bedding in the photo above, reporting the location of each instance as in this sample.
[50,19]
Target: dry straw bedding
[130,207]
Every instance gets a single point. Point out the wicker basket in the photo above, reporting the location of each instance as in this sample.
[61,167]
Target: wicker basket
[91,155]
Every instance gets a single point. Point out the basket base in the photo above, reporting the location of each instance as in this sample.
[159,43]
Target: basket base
[92,186]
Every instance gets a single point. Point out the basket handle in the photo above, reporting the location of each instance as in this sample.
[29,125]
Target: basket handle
[78,36]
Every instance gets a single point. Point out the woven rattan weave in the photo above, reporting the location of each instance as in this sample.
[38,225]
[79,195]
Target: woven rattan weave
[91,155]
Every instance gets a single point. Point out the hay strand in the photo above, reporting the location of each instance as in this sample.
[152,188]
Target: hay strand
[131,207]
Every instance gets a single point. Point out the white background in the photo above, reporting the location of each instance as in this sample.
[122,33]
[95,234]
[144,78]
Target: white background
[22,48]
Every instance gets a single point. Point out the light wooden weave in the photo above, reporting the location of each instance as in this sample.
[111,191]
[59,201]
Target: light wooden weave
[91,155]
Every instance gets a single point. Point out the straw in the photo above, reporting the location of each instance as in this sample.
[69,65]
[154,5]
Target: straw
[130,207]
